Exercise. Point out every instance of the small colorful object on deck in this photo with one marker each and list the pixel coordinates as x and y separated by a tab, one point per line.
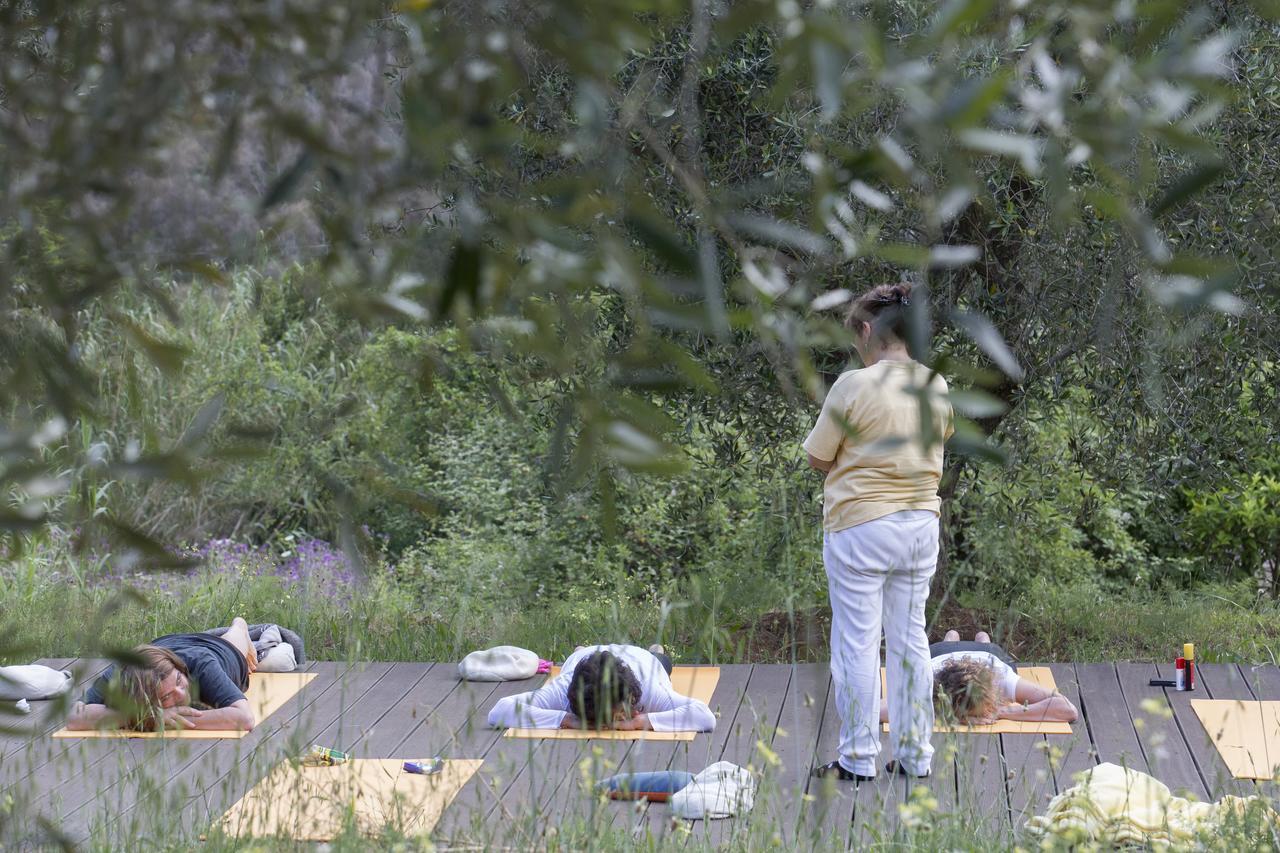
425	766
323	756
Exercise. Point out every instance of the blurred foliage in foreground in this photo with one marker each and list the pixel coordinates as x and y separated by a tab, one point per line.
656	211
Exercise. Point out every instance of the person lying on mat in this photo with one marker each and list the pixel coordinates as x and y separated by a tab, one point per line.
625	688
979	681
179	681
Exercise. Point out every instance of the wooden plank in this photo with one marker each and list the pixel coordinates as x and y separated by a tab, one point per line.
463	822
354	729
1263	681
1029	773
796	749
756	723
521	812
654	823
1167	752
1070	754
17	730
829	815
576	799
25	747
391	734
28	752
982	795
1110	727
876	817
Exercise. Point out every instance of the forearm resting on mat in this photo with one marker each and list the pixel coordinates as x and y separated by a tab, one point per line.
1056	707
234	717
85	717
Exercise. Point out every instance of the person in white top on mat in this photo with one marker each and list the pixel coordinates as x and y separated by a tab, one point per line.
625	688
981	684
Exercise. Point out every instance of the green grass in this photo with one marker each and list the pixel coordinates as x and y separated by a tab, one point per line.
1228	624
385	621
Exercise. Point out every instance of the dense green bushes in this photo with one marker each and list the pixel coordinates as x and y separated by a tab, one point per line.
450	467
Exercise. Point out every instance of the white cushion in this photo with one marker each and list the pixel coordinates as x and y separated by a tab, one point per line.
501	663
722	790
32	682
278	659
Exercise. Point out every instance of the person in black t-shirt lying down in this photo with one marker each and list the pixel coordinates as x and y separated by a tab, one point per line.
179	681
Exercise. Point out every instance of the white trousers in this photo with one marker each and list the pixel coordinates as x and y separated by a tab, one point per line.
878	575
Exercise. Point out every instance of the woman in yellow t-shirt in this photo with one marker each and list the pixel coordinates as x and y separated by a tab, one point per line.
879	441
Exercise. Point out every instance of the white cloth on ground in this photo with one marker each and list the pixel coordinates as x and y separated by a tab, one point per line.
667	710
878	578
500	663
33	681
1005	676
722	790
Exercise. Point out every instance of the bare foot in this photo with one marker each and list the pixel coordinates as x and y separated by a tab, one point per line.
982	637
951	637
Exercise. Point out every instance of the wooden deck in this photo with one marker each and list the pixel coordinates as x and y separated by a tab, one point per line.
778	718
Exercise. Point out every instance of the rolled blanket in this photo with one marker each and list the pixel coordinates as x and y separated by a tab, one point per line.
722	790
32	682
500	663
268	636
656	786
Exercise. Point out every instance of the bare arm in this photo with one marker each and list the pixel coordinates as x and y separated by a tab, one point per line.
85	717
234	717
823	465
1038	704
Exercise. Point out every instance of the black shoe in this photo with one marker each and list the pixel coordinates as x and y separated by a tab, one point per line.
893	768
836	769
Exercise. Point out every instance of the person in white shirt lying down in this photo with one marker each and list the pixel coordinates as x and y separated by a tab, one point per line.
625	688
979	681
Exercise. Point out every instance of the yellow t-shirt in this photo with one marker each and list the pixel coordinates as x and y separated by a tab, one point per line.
884	427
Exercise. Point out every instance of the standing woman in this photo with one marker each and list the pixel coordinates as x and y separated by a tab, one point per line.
879	442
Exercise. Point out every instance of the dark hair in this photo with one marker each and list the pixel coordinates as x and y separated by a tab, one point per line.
885	308
968	686
600	685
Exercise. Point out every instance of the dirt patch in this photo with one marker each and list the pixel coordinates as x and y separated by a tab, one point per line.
969	620
780	636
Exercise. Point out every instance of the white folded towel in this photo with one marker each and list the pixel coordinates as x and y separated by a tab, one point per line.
722	790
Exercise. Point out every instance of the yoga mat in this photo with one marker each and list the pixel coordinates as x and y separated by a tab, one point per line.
314	803
1242	732
696	682
267	692
1042	676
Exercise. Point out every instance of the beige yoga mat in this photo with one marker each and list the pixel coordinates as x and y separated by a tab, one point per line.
1042	676
1245	733
696	682
267	692
315	803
